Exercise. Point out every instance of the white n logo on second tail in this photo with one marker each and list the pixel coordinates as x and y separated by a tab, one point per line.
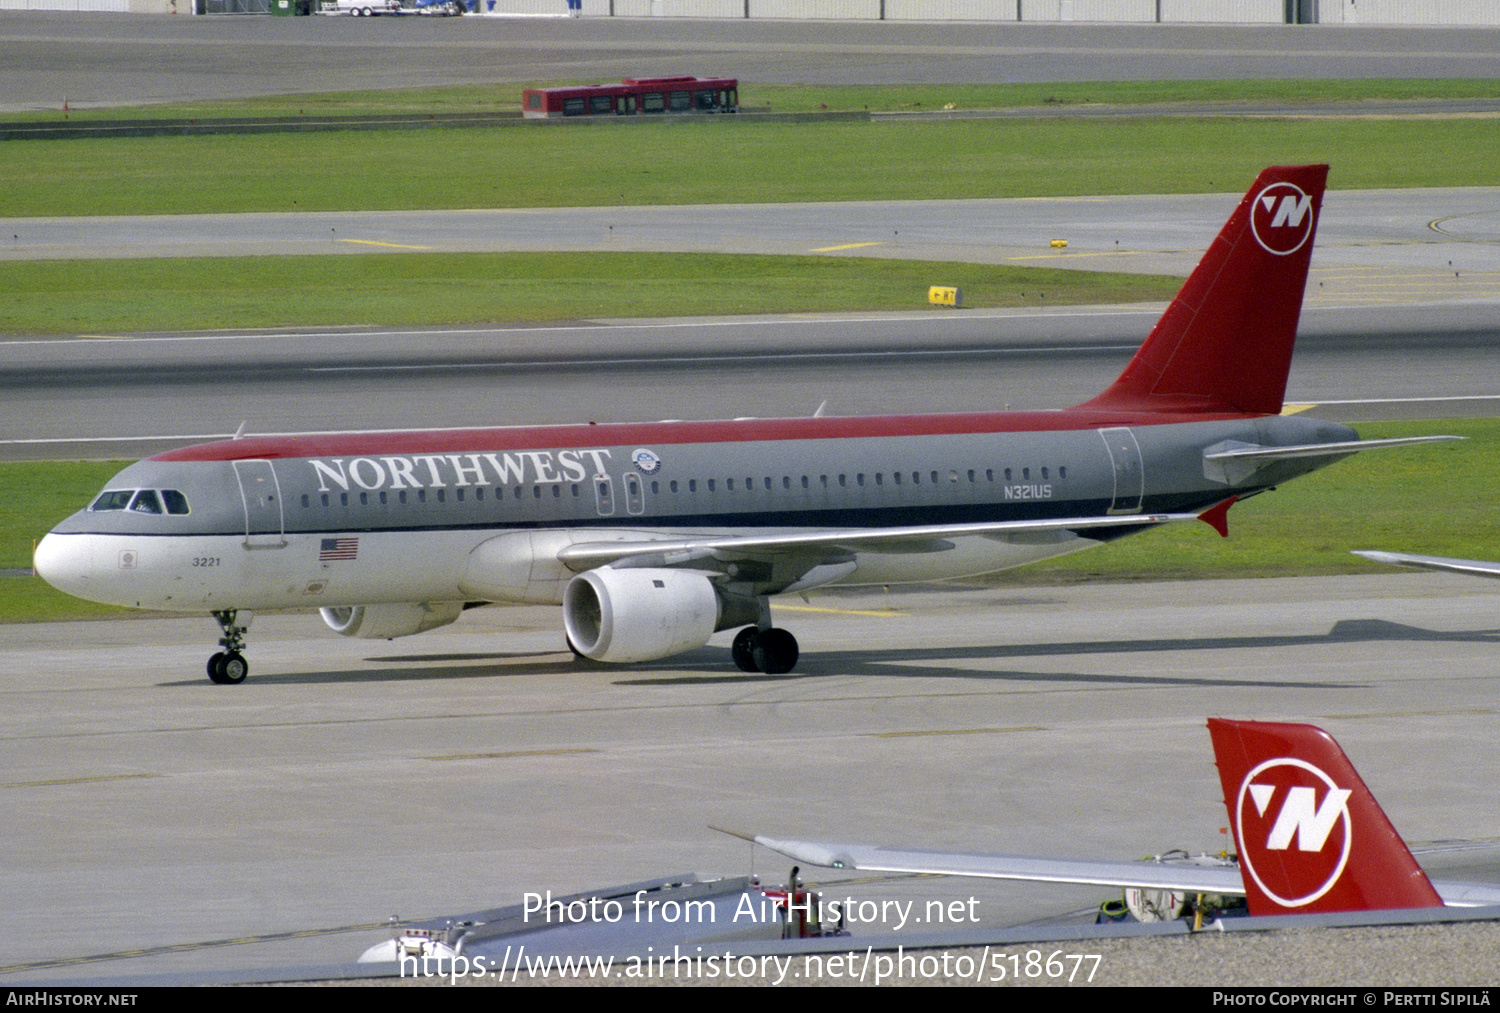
1301	816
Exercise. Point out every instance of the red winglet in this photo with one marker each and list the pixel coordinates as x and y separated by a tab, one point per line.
1217	516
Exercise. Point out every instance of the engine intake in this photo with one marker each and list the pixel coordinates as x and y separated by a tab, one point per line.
387	622
639	614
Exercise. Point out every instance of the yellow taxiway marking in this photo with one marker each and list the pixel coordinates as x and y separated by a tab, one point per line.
394	246
1294	409
846	246
957	731
506	756
886	614
1079	255
76	780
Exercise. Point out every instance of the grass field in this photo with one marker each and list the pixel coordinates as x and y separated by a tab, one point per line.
799	98
724	160
430	289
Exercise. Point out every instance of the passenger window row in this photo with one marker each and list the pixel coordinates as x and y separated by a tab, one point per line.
403	496
674	486
860	479
691	485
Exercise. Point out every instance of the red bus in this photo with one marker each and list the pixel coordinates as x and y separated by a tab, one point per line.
634	95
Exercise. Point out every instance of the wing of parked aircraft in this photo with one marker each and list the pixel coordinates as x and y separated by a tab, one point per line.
1472	567
1310	838
1152	875
654	537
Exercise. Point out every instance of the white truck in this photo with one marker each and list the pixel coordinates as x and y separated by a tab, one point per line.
361	8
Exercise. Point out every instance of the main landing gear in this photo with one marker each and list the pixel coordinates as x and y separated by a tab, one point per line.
771	650
229	667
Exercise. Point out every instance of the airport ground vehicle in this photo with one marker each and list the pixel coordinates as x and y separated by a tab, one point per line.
634	96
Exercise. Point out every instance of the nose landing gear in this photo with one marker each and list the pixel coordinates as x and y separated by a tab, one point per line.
229	667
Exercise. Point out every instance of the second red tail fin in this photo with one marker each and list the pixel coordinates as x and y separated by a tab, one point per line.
1310	835
1225	343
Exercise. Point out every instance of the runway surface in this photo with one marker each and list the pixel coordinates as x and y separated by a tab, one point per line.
347	781
1372	246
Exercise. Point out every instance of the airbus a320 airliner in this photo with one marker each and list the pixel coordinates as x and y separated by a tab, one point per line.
653	537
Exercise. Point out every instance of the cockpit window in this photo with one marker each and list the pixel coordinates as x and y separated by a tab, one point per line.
113	499
142	501
146	502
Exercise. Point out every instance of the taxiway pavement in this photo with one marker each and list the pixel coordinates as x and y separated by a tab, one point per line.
348	781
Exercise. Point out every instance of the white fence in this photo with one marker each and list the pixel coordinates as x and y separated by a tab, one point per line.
108	6
1263	12
1409	12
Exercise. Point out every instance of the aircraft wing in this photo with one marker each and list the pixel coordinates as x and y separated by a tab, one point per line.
1155	875
1456	893
1472	567
1151	875
913	538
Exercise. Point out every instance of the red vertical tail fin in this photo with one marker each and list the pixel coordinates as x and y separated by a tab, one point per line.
1311	837
1225	343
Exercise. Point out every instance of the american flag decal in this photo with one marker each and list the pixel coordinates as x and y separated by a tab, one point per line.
338	548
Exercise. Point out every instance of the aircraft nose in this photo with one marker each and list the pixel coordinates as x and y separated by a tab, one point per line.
64	562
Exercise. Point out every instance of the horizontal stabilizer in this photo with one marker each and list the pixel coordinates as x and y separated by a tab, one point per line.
1235	463
1341	449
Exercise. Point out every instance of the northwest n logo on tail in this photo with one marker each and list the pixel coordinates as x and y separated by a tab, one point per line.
1282	218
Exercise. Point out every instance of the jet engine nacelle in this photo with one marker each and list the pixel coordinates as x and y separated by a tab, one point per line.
387	622
639	614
